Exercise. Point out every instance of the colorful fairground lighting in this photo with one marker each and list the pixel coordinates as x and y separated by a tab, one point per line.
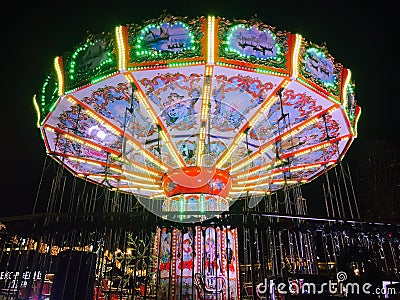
190	115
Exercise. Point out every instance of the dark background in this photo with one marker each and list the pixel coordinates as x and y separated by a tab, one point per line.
362	36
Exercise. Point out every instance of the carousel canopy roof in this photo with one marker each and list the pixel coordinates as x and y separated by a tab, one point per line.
197	106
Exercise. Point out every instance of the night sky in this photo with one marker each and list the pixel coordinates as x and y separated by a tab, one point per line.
360	36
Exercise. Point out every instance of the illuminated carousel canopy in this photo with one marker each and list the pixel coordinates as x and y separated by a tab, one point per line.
191	114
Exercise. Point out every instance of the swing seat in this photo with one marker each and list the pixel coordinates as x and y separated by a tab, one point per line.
205	290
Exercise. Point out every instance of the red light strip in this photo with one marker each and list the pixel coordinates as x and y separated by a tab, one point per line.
229	150
136	143
261	149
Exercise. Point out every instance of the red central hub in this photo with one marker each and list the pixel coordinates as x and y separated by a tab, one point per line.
197	180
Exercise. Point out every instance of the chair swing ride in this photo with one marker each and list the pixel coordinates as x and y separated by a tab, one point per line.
191	115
